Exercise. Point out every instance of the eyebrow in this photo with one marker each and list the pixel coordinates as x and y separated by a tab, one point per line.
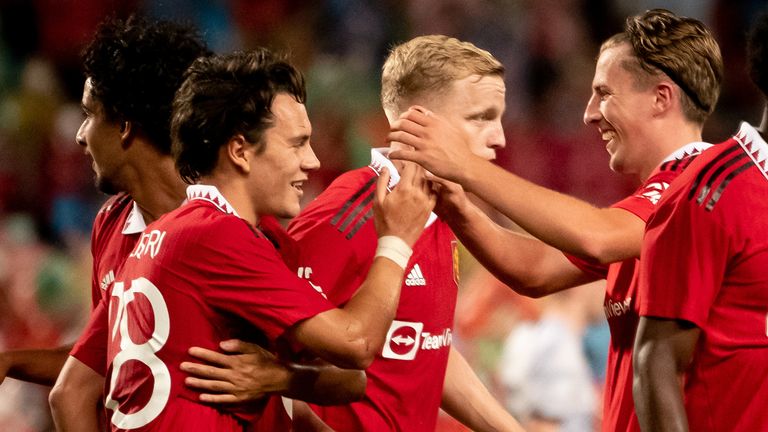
301	138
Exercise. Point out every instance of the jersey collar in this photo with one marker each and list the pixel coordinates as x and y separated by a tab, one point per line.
380	160
754	145
134	223
687	150
212	195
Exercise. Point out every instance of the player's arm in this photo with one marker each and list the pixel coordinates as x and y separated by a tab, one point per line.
467	400
74	400
247	372
352	336
39	366
525	264
566	223
663	350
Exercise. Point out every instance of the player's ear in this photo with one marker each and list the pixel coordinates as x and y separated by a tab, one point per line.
237	152
126	133
665	95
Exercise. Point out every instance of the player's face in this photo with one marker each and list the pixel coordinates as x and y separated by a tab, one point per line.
476	104
620	109
101	140
280	170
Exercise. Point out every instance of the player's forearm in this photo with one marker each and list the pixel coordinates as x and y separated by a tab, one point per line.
564	222
352	336
325	384
467	400
74	400
519	261
374	306
40	366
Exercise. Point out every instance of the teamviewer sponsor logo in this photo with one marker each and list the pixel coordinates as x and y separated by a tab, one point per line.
406	338
415	277
403	340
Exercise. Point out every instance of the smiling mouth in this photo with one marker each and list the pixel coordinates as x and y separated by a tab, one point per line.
298	185
607	135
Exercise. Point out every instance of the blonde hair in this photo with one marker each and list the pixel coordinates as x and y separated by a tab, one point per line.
430	64
680	47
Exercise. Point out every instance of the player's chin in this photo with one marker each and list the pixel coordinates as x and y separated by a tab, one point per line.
289	210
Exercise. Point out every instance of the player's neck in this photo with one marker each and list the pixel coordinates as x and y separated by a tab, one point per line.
667	141
156	187
235	190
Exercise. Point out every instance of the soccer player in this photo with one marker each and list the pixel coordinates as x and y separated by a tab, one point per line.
701	354
127	107
205	271
127	103
125	98
655	84
418	371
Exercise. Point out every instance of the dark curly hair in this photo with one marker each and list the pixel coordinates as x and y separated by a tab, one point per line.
223	96
757	53
135	67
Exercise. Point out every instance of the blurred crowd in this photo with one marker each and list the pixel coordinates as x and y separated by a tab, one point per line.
531	353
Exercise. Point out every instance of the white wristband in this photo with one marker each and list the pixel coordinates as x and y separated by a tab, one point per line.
395	249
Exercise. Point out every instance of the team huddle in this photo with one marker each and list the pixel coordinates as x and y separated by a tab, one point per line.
208	315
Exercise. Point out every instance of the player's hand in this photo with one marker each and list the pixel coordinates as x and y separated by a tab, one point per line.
404	211
451	198
438	146
244	373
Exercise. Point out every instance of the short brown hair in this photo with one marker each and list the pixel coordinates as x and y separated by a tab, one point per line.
680	47
223	96
431	63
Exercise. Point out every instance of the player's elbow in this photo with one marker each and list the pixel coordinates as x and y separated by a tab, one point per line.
58	397
534	284
361	355
606	247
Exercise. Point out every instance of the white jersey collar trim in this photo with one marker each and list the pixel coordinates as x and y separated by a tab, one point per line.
689	149
754	145
212	195
380	160
134	223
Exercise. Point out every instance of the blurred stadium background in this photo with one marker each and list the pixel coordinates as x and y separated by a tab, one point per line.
47	199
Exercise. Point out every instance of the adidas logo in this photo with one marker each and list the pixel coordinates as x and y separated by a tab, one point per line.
108	279
415	277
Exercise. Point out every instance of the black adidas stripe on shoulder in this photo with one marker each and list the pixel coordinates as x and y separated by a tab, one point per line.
713	176
345	217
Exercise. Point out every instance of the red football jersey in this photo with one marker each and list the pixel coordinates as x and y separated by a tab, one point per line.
197	276
704	261
337	242
117	227
620	305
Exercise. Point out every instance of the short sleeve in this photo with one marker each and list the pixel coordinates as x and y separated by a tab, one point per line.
249	279
682	265
91	347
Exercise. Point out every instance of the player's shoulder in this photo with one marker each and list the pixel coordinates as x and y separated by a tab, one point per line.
351	193
705	182
114	205
113	213
351	184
